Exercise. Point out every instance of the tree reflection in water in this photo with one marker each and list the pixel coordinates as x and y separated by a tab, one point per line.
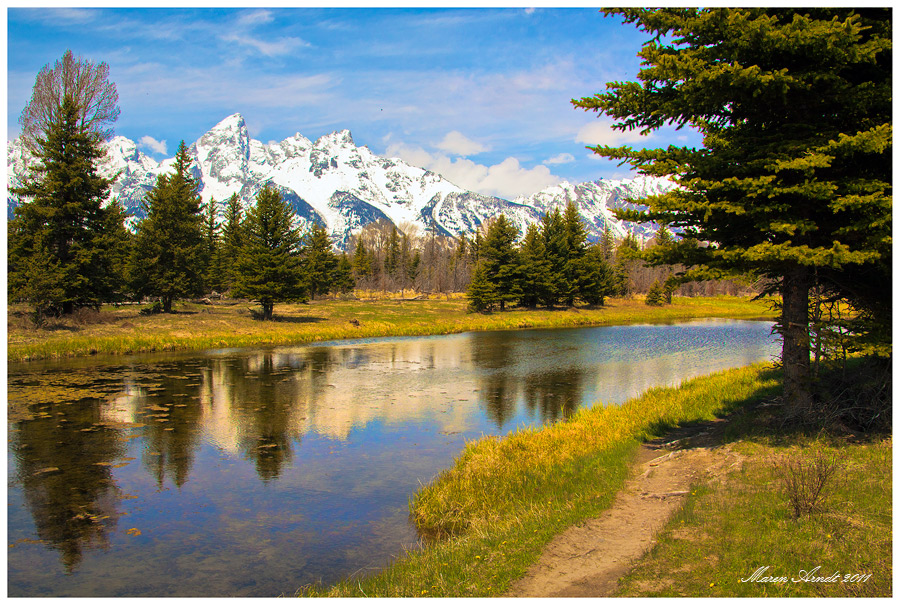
69	490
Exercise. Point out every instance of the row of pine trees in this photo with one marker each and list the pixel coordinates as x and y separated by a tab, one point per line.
553	265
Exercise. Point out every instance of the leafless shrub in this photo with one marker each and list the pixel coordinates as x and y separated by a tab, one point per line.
804	480
85	316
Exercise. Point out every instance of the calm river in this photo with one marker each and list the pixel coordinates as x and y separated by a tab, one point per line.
254	472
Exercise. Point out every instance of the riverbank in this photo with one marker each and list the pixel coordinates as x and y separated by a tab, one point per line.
227	324
505	499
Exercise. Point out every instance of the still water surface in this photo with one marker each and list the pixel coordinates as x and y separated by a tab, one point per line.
254	472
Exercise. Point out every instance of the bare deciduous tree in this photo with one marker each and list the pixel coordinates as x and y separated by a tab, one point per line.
88	85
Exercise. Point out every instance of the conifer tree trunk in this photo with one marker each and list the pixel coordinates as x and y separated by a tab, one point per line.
795	348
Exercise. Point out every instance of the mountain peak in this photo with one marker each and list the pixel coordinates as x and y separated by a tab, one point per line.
341	137
234	121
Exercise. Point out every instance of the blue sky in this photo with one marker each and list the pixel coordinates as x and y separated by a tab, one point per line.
481	96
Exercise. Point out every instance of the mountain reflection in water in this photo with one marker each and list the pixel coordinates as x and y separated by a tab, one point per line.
139	472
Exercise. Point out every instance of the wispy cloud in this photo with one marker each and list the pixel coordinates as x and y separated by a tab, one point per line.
562	158
281	46
151	144
242	34
60	16
253	18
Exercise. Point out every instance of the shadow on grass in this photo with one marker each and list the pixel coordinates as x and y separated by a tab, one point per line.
59	327
293	320
763	416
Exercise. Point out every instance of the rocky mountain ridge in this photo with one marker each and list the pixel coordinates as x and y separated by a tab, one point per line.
336	183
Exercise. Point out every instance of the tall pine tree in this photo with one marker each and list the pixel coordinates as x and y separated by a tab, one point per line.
269	268
63	248
212	247
575	239
536	280
232	240
793	179
168	259
319	261
500	260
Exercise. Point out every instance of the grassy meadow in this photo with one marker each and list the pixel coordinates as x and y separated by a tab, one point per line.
123	330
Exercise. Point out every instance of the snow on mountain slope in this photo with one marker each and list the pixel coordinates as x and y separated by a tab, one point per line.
333	182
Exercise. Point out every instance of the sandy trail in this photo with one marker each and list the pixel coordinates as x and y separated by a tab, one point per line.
588	560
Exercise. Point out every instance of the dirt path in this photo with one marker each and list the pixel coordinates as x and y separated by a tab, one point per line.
588	560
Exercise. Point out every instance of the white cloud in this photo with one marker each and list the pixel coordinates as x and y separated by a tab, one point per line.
271	48
457	143
148	142
281	46
602	133
507	179
252	18
563	158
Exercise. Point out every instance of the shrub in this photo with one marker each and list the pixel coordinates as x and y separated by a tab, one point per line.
804	480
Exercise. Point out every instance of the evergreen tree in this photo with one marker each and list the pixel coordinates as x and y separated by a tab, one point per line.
168	259
232	240
553	231
500	260
319	261
575	239
65	223
535	268
362	261
793	180
482	292
597	279
608	244
655	296
212	248
342	280
414	266
477	243
269	268
626	261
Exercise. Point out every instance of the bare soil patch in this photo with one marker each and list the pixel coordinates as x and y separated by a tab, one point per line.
587	560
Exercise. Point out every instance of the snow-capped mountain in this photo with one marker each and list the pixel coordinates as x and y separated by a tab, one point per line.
345	187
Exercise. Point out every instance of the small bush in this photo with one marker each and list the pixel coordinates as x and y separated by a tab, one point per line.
655	295
804	481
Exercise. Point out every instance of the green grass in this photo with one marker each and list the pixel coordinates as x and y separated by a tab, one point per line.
197	327
722	535
504	499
